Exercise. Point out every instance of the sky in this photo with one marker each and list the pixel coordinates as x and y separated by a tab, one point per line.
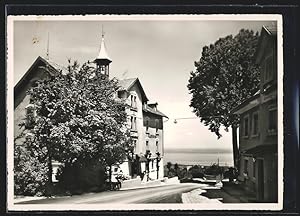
160	53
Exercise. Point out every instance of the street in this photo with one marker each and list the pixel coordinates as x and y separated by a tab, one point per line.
160	194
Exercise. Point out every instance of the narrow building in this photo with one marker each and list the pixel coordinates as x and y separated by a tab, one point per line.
258	169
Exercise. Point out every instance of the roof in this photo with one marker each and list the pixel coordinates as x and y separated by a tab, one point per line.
127	84
271	30
39	62
103	53
153	111
266	32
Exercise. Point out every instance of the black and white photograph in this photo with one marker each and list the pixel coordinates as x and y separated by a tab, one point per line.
145	112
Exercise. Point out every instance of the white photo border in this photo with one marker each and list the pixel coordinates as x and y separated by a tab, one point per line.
177	17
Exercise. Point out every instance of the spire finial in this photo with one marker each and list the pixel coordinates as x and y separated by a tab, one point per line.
47	52
102	31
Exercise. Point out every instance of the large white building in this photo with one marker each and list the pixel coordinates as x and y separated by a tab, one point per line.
146	125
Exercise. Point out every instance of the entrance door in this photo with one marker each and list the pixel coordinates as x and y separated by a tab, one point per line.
260	179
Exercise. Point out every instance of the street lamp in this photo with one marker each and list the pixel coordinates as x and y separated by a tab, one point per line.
176	119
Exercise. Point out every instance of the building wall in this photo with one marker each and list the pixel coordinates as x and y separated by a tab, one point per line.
19	117
154	136
21	100
138	114
249	173
140	135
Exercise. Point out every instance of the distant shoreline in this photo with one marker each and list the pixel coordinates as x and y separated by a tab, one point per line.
201	157
196	164
196	150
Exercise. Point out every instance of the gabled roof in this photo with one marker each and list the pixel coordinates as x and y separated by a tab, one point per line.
271	30
127	84
39	62
153	111
267	33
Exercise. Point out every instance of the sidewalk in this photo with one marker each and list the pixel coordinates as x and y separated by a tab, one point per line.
196	197
231	193
239	192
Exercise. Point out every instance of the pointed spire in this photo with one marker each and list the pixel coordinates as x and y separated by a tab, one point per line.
103	59
103	53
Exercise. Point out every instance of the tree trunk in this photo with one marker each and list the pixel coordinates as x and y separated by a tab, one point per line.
235	146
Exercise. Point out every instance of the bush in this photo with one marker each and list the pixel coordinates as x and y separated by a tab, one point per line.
196	172
231	173
30	174
76	178
214	170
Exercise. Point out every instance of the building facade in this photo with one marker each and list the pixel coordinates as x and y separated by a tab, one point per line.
258	127
146	126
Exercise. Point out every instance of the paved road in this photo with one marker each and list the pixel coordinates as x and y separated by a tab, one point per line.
166	193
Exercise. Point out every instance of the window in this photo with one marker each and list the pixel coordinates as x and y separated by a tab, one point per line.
156	145
133	101
147	145
246	126
246	166
134	145
133	123
272	123
255	124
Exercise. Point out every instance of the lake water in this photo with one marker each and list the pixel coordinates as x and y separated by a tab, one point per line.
198	158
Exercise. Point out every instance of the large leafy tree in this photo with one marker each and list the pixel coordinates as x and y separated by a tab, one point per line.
225	75
79	119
